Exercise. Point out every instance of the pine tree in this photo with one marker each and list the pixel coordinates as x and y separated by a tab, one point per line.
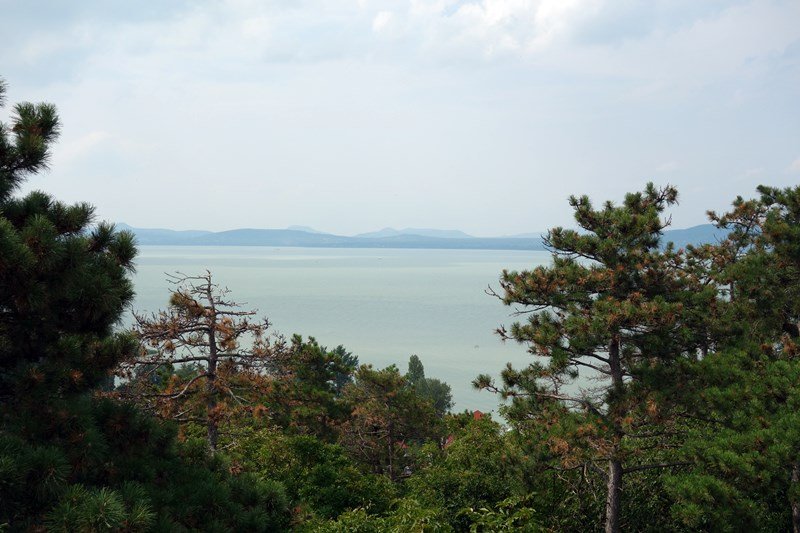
616	308
744	441
63	283
387	418
307	386
202	328
70	460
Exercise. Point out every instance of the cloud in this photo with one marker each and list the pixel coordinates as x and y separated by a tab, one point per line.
755	172
491	28
381	20
76	148
794	168
667	167
668	42
305	102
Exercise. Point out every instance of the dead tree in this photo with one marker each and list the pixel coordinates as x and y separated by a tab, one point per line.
201	359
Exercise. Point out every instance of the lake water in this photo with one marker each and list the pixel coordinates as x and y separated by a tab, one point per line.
381	304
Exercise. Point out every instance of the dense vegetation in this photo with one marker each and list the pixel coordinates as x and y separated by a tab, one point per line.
201	418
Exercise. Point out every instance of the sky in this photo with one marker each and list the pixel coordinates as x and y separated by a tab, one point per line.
354	115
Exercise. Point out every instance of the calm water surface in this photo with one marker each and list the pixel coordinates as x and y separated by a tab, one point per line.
382	305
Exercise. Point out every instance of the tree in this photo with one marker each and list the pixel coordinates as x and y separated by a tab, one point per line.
407	515
744	441
615	306
306	388
69	459
63	286
63	283
764	274
478	467
349	363
201	327
25	143
387	418
320	478
780	235
416	372
438	392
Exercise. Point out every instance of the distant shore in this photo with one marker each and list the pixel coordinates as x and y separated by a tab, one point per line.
297	238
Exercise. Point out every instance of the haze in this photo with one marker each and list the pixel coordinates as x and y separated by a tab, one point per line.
350	116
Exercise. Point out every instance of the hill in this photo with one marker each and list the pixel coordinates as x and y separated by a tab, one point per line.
418	232
387	238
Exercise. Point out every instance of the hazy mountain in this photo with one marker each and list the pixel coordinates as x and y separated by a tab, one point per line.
471	243
534	235
387	238
307	229
702	234
269	237
289	238
421	232
162	236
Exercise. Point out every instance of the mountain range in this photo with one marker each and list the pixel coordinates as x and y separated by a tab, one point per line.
418	232
303	236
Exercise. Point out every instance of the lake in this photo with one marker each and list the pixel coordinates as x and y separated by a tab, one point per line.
381	304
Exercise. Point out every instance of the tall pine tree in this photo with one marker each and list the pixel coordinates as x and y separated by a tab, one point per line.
744	442
615	310
63	282
68	459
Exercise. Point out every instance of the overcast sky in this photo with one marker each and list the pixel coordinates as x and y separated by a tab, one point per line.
353	115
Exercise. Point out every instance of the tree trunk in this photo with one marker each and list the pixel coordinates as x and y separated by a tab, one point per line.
614	487
212	422
795	503
211	406
212	425
615	364
212	428
391	450
613	496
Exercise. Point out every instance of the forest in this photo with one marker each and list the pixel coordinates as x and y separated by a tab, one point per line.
661	393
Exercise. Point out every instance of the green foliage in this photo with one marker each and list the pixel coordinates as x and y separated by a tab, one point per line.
406	516
320	479
743	444
512	514
388	418
615	307
349	364
416	372
478	467
63	282
432	389
25	143
98	510
306	392
132	457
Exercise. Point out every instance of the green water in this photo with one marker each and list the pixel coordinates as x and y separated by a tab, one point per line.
382	305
